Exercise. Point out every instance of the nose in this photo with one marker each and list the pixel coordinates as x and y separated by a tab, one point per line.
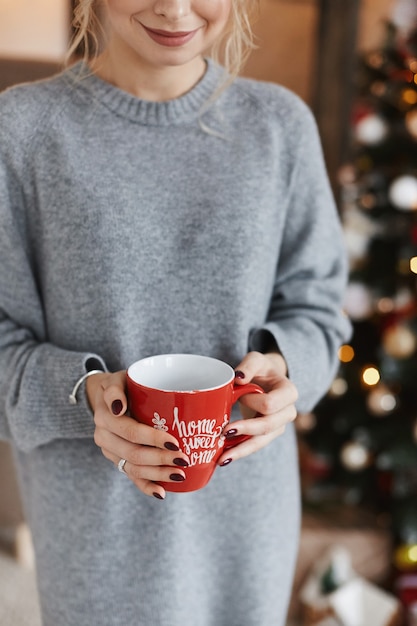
172	9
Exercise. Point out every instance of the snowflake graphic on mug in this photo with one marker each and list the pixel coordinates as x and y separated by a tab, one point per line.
159	422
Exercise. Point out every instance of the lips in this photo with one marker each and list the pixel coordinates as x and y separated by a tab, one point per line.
170	38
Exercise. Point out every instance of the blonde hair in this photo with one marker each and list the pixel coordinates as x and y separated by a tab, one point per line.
236	43
231	50
88	31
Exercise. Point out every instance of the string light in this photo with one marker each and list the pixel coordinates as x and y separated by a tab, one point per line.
368	201
346	353
378	88
375	60
409	96
339	387
371	376
399	341
306	422
411	122
413	264
385	305
412	64
381	401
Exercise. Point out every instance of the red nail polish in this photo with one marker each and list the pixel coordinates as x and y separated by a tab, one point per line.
157	495
239	374
231	433
180	462
171	446
226	462
177	477
117	407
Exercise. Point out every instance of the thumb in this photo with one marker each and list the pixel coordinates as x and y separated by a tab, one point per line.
114	393
250	366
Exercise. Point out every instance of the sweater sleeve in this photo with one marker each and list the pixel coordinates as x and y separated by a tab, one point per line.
305	320
36	377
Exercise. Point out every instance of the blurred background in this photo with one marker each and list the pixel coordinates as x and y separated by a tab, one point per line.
355	63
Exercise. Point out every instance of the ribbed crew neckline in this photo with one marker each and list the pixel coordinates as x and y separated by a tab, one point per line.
180	110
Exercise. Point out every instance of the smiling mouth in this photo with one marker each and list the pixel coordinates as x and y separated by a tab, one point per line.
170	38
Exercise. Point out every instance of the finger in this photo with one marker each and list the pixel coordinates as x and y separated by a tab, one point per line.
261	368
135	432
138	454
262	425
129	429
249	446
249	367
283	394
114	394
151	473
148	487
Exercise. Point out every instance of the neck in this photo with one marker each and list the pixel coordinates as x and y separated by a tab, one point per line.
153	83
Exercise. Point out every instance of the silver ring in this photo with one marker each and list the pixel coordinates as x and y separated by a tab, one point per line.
121	466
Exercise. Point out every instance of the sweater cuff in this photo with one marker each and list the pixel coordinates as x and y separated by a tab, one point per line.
39	410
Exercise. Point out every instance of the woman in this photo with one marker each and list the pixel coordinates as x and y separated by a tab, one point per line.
152	203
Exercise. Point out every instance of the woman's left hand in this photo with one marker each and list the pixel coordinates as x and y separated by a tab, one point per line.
274	409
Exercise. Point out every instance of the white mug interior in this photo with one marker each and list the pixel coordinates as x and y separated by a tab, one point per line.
181	372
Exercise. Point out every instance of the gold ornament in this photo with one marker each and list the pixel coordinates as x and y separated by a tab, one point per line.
405	556
408	98
346	353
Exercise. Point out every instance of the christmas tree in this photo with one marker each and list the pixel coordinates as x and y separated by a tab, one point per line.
359	447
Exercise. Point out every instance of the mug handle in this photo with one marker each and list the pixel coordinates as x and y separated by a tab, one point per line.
238	392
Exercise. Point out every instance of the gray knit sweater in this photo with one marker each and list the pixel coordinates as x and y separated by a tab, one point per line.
128	229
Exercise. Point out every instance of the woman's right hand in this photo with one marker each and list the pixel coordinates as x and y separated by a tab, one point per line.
151	455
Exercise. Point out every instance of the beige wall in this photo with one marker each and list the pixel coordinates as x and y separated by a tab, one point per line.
34	28
286	32
371	28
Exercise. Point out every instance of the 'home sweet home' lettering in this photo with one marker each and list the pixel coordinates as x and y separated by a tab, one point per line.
200	438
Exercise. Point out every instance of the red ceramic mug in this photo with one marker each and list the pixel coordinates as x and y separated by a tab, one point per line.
191	397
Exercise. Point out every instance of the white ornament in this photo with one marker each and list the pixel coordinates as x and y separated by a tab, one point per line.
404	15
399	341
358	231
358	301
371	130
381	401
403	193
355	456
403	299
